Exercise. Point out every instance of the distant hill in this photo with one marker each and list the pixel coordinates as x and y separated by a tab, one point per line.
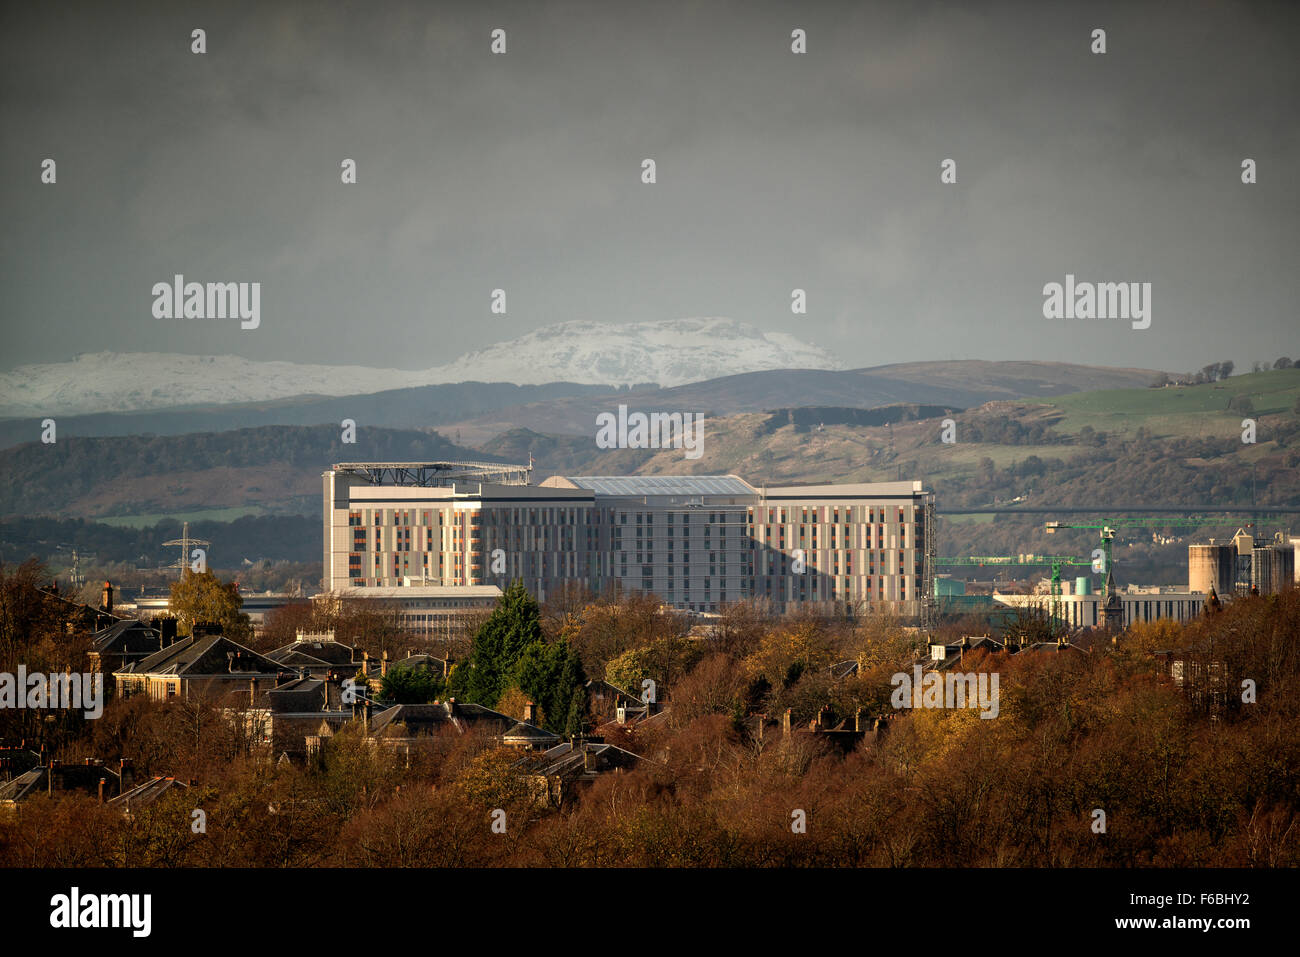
482	410
267	469
1011	379
1156	447
276	469
955	384
671	352
413	408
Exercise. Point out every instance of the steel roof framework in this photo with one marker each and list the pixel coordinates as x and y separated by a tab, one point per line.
437	474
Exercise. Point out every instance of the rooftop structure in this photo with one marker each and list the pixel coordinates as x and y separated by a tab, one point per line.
436	474
671	486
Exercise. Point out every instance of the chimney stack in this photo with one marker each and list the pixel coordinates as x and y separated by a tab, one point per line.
126	774
383	664
530	713
107	603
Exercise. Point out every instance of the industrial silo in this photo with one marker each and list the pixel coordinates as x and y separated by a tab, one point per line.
1273	568
1211	567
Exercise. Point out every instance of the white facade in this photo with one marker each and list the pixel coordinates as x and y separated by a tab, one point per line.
1084	611
696	541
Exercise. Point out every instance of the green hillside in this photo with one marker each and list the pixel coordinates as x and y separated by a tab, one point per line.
1180	410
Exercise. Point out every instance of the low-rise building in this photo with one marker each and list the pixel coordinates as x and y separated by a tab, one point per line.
92	777
556	774
142	795
210	666
1086	610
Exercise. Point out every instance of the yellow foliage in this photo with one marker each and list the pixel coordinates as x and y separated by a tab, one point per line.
802	644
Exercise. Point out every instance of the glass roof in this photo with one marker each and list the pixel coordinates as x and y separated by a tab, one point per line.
639	485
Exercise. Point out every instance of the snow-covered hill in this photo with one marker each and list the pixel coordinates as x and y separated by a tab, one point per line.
672	352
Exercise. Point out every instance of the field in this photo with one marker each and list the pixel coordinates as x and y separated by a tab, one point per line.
198	515
1179	410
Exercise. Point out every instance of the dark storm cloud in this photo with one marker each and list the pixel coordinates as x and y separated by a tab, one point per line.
521	171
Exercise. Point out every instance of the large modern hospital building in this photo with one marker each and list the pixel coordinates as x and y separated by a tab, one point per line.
696	541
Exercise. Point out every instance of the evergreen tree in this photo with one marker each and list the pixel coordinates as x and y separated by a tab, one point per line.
410	686
552	675
514	625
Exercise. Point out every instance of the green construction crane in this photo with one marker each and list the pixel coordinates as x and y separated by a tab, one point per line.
1110	605
1107	529
1056	562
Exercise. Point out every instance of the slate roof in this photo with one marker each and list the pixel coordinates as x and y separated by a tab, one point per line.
427	718
955	651
420	662
1053	646
24	786
313	653
599	688
531	734
146	793
567	762
293	658
417	718
843	669
129	635
203	656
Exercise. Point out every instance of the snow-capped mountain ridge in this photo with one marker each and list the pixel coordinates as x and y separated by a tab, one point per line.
670	353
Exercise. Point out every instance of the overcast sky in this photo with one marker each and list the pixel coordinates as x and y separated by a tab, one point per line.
775	171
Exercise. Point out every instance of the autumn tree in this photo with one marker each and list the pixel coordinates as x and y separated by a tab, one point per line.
663	661
201	596
282	625
602	630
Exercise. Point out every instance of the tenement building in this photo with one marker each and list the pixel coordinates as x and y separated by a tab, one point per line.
695	541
